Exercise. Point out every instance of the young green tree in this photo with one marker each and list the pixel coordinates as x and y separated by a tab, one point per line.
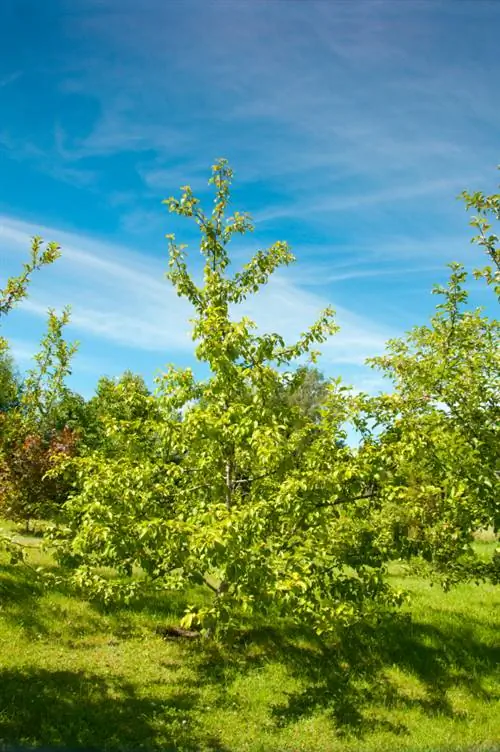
14	291
120	398
45	385
436	456
252	496
32	434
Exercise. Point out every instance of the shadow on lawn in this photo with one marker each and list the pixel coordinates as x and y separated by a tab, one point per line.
77	710
19	594
21	591
350	679
22	587
68	710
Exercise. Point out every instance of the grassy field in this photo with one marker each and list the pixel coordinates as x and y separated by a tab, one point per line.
74	676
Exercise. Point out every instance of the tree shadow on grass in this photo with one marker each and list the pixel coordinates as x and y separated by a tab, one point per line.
352	679
21	592
22	589
70	710
158	605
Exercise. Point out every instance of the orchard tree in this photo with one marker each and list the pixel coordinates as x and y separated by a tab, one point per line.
15	290
31	438
113	399
433	445
308	389
72	411
45	385
436	452
120	417
111	395
10	382
251	496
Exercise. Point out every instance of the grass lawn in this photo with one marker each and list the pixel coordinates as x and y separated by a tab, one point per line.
74	676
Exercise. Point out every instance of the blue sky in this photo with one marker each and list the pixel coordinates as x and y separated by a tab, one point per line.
351	127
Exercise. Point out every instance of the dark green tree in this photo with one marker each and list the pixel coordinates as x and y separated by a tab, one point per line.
10	382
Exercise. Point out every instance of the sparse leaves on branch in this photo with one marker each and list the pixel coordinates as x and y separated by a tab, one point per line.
488	212
45	384
17	287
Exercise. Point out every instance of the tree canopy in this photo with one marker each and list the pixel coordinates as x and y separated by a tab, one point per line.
243	483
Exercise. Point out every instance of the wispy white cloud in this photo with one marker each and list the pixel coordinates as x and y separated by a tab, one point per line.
9	78
22	351
47	161
115	293
118	295
321	274
286	307
320	94
148	329
117	132
388	195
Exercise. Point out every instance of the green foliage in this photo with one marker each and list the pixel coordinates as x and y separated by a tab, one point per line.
243	484
436	455
10	383
16	287
14	291
45	385
125	399
35	433
71	410
252	495
307	389
488	211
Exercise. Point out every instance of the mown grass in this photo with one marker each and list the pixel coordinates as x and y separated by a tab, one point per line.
75	676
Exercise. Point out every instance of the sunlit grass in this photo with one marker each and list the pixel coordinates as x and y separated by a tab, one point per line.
73	675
